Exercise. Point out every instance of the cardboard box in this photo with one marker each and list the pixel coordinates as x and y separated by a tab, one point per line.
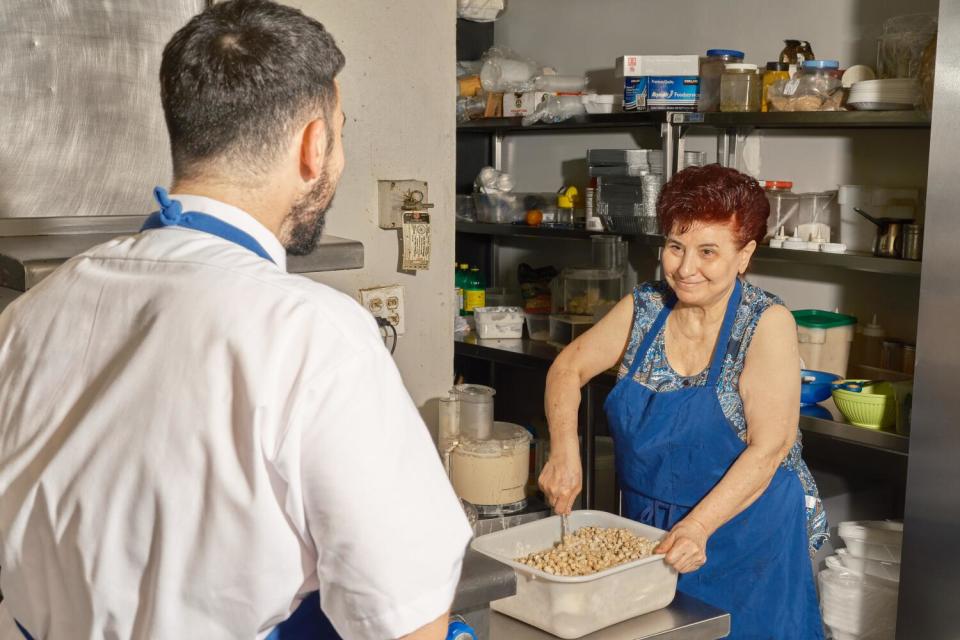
636	66
659	83
522	104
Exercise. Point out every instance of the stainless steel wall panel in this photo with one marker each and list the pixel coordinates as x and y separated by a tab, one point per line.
81	128
930	575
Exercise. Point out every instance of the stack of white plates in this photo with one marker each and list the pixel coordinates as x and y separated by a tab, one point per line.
897	94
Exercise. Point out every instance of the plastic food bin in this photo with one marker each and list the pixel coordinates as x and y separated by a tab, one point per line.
499	322
825	339
873	539
575	606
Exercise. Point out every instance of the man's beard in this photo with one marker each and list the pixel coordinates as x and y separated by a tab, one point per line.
303	225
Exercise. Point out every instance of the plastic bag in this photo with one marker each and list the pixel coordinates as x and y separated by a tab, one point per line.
504	71
535	287
480	10
904	39
555	109
806	92
470	108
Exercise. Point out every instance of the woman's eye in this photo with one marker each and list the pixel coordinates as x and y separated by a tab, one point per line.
709	253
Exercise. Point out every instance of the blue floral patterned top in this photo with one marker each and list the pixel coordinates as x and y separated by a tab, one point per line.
656	373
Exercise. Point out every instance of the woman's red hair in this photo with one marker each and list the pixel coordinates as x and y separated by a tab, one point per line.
714	195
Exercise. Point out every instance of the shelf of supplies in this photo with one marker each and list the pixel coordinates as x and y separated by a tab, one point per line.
808	120
850	261
546	231
826	420
785	120
624	120
823	420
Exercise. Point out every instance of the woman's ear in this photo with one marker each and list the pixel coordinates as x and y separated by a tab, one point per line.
745	254
313	149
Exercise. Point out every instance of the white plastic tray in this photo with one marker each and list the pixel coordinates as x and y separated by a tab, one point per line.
573	607
877	568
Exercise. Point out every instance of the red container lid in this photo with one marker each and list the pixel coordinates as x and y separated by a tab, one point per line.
778	184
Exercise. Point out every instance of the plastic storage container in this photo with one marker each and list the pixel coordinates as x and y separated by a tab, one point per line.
499	322
866	566
500	208
711	70
575	606
818	219
741	87
873	539
581	291
565	328
538	326
825	339
784	205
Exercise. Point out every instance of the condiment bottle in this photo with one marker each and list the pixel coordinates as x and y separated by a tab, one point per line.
474	292
872	343
775	72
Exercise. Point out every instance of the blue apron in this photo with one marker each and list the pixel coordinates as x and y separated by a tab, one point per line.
672	448
308	621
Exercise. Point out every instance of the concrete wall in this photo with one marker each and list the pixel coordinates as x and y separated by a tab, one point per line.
586	37
398	91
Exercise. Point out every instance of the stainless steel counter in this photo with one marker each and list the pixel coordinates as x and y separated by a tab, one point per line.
685	619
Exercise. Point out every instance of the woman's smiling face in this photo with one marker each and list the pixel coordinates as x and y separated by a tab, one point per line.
701	263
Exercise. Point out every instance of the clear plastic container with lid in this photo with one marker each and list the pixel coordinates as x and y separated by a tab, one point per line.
740	88
817	86
784	205
711	70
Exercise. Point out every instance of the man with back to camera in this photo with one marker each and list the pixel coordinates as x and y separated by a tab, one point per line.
192	440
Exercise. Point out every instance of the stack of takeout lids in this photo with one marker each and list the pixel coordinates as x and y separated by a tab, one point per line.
884	95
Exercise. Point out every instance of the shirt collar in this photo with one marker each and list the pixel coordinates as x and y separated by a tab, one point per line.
239	219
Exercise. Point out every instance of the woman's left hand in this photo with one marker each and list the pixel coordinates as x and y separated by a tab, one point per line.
685	546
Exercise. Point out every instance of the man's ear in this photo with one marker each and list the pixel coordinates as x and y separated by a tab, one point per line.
313	149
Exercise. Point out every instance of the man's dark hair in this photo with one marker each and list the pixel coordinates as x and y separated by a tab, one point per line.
238	79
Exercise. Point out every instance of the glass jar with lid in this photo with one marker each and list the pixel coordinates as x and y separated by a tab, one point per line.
740	88
775	72
711	69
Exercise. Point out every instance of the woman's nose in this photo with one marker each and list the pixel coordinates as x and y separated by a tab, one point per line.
688	265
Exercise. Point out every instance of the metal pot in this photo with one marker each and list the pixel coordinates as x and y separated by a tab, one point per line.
889	240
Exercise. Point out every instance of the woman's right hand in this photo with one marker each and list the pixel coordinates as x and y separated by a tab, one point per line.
561	477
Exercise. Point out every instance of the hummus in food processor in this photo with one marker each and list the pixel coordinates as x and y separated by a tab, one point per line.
492	472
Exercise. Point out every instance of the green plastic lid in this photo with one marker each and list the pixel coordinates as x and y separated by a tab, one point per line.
816	319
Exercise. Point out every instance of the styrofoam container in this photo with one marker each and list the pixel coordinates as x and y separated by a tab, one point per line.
865	566
599	103
873	539
859	605
499	322
573	607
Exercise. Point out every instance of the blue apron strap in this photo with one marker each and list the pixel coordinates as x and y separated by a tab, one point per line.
26	634
651	334
720	350
171	214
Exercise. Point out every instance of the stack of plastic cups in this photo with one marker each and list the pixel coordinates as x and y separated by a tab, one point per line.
859	588
652	183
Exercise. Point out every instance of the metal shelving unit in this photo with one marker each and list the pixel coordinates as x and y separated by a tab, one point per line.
850	261
538	355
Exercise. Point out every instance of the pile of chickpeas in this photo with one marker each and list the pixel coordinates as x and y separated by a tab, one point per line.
589	550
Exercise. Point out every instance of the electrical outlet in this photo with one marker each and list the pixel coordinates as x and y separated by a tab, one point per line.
385	302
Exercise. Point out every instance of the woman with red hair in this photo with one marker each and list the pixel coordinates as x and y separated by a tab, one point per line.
705	414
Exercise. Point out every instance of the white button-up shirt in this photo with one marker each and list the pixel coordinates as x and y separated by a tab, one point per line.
191	439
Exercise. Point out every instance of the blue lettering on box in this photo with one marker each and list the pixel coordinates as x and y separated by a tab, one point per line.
673	93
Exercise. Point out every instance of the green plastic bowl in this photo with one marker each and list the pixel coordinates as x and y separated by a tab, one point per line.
873	408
